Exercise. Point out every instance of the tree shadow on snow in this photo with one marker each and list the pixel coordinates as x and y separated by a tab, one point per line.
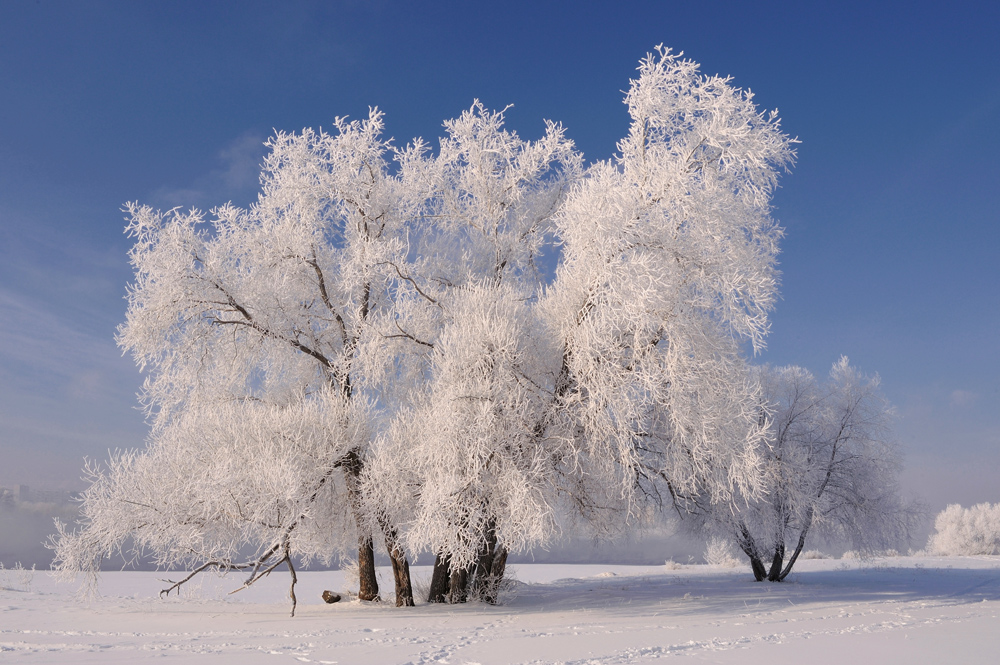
693	593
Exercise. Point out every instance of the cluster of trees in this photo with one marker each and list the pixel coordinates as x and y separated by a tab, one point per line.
373	353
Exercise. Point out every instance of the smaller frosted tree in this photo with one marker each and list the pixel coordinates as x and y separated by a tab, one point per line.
962	531
830	466
481	471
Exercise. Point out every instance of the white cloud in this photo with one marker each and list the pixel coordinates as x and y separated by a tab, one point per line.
236	179
962	398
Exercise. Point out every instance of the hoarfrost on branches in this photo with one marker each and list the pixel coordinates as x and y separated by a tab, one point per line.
271	472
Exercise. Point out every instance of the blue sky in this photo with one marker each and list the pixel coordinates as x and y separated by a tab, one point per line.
891	212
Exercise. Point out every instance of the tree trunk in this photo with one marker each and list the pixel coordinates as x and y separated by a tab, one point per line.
367	582
401	575
458	591
400	566
492	593
483	568
489	568
757	566
440	580
774	575
749	547
799	545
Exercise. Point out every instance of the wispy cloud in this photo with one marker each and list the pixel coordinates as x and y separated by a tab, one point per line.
235	179
65	390
960	399
49	363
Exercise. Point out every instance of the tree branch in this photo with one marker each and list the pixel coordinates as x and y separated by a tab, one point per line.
407	335
411	281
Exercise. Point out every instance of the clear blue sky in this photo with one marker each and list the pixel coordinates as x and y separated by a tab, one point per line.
891	212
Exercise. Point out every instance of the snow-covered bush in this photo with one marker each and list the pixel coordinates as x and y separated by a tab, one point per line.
962	531
719	552
17	578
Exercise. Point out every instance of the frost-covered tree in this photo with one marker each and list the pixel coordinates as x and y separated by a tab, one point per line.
277	303
830	464
468	443
668	268
481	474
962	531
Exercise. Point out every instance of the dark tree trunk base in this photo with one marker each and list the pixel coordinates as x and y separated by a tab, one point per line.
491	591
368	582
774	575
481	581
440	580
401	575
458	589
400	566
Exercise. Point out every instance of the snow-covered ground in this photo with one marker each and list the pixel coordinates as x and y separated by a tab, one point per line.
905	610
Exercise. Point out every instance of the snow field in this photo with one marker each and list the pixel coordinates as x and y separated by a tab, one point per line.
907	609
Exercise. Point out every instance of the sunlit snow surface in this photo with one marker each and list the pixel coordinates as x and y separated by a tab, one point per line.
906	610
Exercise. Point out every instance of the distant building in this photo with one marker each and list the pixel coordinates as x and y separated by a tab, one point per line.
10	497
7	501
